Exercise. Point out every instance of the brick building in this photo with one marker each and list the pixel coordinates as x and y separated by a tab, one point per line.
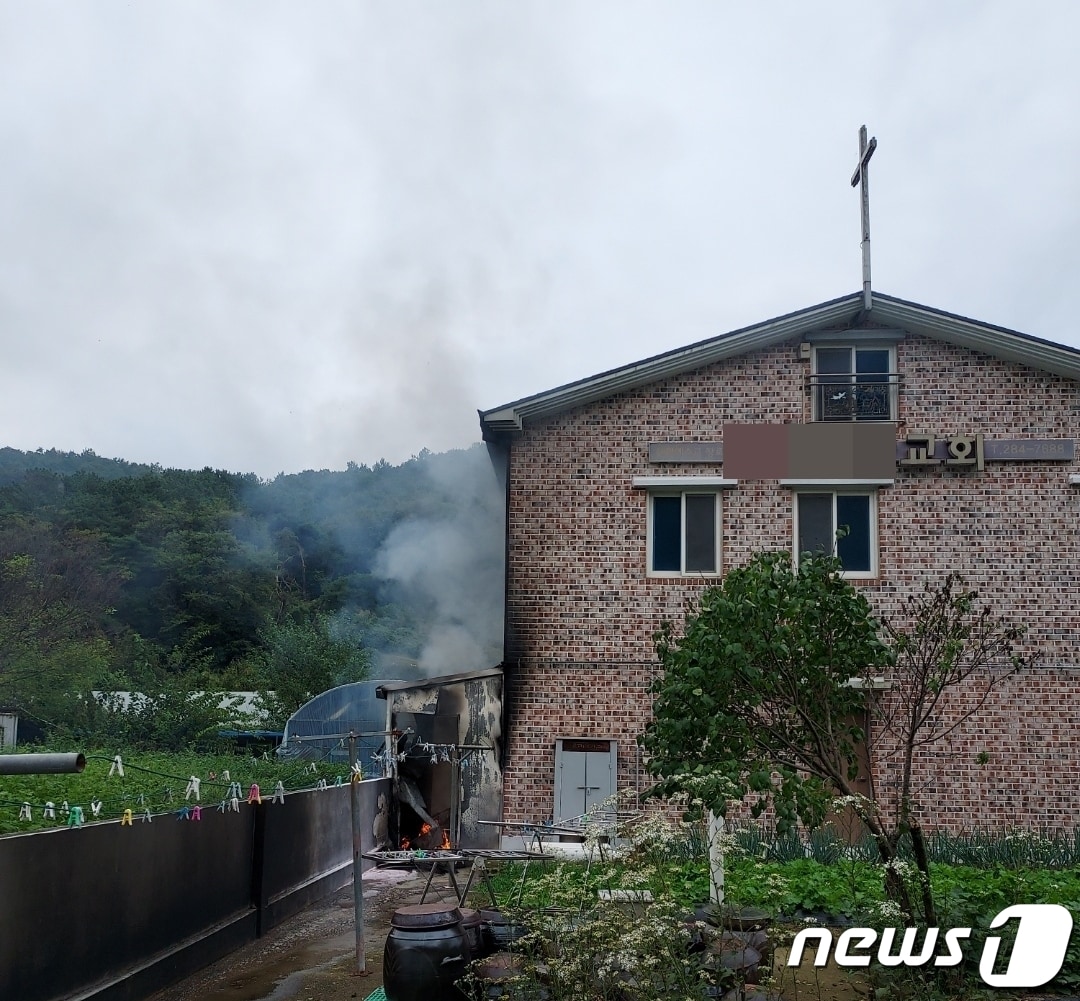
940	442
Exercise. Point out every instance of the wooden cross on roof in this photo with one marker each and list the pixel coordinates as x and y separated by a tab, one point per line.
862	177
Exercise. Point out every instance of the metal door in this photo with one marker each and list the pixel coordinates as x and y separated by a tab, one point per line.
584	775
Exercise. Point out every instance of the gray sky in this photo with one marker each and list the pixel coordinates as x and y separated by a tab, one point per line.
270	237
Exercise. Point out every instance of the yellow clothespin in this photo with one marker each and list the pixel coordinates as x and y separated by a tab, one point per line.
126	819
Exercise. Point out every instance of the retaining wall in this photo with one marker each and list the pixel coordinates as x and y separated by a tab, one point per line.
113	913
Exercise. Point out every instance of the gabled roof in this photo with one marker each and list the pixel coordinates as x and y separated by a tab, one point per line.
889	315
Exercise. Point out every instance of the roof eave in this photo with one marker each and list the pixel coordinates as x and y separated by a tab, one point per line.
1000	342
512	416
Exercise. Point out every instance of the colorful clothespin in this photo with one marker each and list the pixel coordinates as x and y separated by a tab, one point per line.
126	819
50	811
279	793
357	773
254	796
183	813
117	767
24	812
234	791
95	808
337	781
196	812
212	777
194	788
75	817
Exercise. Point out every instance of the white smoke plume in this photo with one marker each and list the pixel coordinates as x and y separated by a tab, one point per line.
455	563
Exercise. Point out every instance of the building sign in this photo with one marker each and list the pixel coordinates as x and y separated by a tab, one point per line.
588	746
973	451
778	451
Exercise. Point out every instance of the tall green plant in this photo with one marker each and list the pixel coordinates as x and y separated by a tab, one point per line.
755	696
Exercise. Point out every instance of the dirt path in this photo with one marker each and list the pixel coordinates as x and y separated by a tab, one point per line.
312	955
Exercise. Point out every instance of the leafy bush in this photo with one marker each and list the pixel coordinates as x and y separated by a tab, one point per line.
829	882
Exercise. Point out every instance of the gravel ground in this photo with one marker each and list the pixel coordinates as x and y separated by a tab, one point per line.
311	957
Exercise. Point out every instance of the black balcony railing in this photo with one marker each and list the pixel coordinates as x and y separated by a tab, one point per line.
854	397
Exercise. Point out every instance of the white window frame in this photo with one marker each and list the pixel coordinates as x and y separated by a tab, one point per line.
682	492
872	493
893	377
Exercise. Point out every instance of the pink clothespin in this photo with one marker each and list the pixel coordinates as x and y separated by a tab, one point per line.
254	796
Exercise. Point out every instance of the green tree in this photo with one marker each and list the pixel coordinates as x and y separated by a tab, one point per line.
55	595
304	659
943	640
765	694
755	698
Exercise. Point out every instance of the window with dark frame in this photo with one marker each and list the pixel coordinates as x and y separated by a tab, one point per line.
854	384
684	533
820	516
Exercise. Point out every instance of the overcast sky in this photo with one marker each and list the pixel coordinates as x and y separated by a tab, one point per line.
270	237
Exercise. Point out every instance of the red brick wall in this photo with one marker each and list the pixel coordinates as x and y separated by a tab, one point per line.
582	612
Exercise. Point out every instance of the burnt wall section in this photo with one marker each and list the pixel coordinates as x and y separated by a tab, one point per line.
114	913
467	711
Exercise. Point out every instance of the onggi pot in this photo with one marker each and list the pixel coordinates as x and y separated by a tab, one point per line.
425	953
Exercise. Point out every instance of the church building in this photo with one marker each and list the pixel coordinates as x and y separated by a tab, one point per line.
939	442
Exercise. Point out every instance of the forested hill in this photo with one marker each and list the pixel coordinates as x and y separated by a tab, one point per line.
116	575
14	465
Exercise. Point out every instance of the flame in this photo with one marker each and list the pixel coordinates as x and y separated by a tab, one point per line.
406	844
445	840
425	830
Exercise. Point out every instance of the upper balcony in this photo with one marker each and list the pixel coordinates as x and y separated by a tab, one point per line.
855	396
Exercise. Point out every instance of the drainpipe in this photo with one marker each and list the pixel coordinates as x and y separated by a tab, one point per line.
41	764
